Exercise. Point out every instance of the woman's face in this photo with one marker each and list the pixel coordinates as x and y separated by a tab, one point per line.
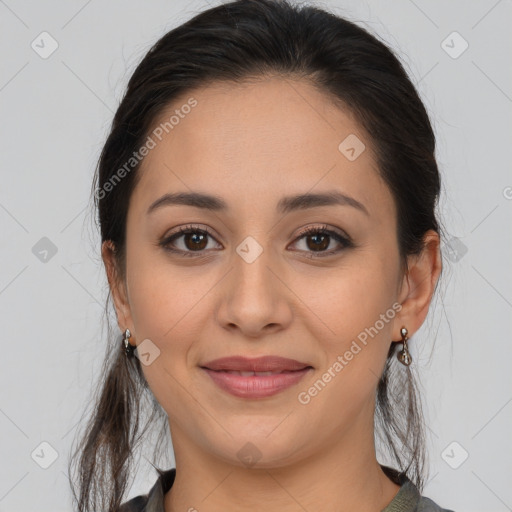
256	285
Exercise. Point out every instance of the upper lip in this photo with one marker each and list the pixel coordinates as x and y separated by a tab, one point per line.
258	364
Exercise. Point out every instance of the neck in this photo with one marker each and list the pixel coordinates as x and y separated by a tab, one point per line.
343	476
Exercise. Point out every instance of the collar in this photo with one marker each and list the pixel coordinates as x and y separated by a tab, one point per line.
155	501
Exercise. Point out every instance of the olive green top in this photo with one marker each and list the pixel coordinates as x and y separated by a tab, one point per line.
407	499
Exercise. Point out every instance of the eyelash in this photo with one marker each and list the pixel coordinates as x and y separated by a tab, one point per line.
314	230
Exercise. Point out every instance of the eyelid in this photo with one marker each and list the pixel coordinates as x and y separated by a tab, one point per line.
326	228
190	227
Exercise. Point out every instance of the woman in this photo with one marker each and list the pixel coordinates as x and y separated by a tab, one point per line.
267	202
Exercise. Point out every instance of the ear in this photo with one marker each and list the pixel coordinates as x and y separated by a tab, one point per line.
117	287
418	285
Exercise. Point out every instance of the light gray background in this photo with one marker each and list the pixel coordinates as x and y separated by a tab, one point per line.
55	113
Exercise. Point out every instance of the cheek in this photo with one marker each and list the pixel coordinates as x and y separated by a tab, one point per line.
353	320
169	306
354	329
163	297
167	309
352	297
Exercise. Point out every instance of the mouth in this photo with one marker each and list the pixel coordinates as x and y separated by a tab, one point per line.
255	378
257	374
263	364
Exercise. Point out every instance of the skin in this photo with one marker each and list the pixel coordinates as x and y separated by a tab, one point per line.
252	144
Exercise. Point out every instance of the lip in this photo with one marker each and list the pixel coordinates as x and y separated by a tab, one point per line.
285	373
257	364
256	386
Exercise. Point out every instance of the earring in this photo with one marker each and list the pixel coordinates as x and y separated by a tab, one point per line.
128	348
404	356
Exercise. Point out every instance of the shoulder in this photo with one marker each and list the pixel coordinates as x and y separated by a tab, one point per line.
427	505
408	498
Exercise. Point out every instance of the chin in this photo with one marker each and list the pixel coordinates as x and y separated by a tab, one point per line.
257	450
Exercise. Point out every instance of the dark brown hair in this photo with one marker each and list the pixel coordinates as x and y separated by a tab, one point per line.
232	42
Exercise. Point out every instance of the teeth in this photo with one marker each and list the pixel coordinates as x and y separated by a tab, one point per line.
249	374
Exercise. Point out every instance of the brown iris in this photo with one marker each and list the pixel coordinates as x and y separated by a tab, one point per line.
322	245
199	240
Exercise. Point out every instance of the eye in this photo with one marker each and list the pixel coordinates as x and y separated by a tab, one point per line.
320	239
195	240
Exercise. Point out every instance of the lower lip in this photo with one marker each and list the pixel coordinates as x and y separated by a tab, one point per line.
255	386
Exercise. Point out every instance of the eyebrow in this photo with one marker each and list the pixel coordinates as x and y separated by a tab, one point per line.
285	205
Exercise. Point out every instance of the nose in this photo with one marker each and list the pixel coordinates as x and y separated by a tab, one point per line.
254	298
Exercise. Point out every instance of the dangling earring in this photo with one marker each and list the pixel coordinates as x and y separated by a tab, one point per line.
128	348
404	356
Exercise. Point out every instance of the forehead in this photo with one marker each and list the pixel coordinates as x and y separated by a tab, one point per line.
259	140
